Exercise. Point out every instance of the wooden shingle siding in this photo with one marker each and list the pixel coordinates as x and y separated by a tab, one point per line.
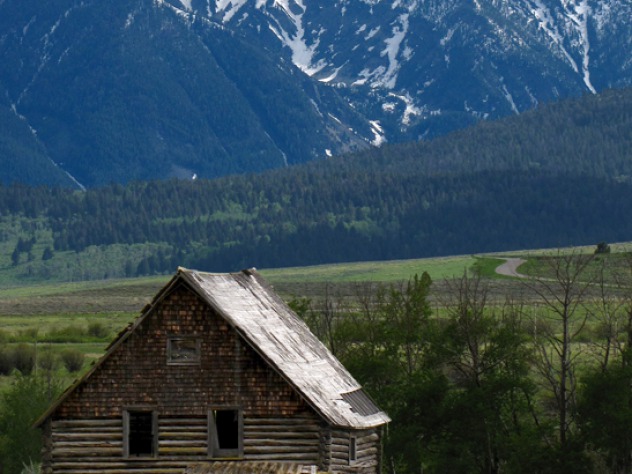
248	467
230	372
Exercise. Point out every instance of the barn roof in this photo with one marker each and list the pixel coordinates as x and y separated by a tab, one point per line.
272	329
250	305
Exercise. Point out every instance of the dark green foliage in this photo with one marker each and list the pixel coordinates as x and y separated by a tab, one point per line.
24	358
457	389
47	360
48	254
20	406
7	363
98	330
72	359
605	413
602	247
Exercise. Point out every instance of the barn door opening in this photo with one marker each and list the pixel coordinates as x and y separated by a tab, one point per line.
225	433
140	433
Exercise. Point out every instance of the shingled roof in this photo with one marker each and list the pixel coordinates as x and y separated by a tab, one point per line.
280	337
272	329
257	467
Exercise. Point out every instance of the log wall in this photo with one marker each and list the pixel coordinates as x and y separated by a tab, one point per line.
335	451
90	446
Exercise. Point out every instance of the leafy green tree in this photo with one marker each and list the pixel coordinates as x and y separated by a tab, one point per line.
47	254
20	406
605	413
486	411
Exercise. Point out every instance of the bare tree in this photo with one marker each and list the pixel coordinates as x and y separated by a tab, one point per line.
563	295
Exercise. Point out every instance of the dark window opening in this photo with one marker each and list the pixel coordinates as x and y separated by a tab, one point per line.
140	433
225	430
227	423
352	449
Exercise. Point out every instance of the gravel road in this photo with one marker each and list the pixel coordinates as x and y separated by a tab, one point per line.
510	268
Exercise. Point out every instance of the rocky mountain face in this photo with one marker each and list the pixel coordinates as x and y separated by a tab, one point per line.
145	89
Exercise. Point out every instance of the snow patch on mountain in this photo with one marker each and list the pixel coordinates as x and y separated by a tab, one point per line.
379	138
578	13
186	4
229	8
393	44
302	53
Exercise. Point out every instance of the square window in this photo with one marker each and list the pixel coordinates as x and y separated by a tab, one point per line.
225	433
183	350
140	438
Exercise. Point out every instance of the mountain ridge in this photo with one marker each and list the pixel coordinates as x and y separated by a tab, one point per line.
555	176
151	89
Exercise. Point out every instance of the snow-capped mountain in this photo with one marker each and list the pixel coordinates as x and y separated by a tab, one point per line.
140	89
417	67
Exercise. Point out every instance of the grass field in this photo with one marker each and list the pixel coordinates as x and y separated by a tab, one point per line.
61	313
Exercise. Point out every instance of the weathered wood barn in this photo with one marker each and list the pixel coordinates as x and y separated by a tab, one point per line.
217	374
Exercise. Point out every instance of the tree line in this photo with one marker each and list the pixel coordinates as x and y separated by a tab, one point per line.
477	380
558	175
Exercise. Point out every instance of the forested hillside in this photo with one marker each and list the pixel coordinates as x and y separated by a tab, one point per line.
559	175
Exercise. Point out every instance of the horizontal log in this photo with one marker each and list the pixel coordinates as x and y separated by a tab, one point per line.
279	449
89	444
184	443
307	457
280	435
89	429
296	420
366	452
285	442
101	422
273	428
183	435
82	452
182	421
200	450
92	435
372	438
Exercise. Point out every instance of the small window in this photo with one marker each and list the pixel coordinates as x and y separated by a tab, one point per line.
183	351
352	449
140	433
225	433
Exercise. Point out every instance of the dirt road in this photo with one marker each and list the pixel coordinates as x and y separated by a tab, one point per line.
510	268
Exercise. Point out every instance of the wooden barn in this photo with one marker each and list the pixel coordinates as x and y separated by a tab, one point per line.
216	375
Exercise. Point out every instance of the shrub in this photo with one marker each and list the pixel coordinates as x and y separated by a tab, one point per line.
98	329
7	364
24	358
66	334
47	360
72	359
27	335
